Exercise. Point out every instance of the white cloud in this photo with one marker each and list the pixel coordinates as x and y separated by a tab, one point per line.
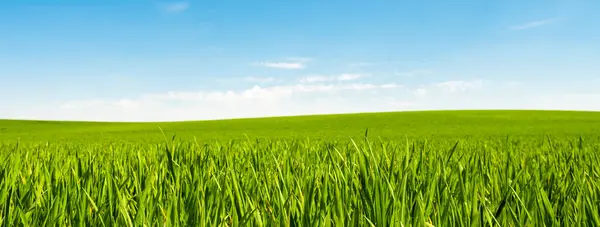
84	103
289	63
420	91
283	65
252	102
342	77
458	85
317	98
448	87
257	92
532	24
176	7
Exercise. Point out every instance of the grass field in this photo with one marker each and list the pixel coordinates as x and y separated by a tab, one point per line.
389	126
436	168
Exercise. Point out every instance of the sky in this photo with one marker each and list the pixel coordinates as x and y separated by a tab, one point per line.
154	60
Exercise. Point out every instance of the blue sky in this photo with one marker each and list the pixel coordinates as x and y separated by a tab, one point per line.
182	60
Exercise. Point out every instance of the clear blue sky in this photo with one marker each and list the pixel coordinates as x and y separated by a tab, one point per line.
180	60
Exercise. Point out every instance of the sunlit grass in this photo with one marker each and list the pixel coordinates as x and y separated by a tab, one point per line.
501	182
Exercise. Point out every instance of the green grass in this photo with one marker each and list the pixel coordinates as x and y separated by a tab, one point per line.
389	126
440	168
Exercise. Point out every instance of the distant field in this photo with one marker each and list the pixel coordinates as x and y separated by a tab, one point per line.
437	168
395	125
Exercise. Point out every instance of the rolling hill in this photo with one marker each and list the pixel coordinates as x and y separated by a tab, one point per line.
389	125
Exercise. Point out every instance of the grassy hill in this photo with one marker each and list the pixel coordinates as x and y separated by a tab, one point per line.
391	125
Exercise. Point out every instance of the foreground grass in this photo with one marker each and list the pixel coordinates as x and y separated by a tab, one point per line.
501	182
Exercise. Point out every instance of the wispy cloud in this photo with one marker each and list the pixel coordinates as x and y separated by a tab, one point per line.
533	24
289	63
283	65
176	7
343	77
270	92
458	85
321	98
349	76
448	87
256	101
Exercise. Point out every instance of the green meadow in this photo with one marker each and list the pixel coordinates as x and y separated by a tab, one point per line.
435	125
429	168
